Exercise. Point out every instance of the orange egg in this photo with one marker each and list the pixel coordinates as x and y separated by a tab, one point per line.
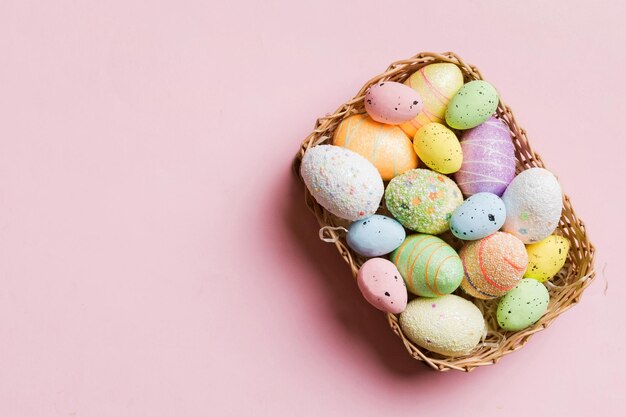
385	146
493	265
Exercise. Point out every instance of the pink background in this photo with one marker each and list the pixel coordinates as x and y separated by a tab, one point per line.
156	258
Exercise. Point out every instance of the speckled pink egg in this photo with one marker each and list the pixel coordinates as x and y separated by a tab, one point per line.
488	159
392	103
382	285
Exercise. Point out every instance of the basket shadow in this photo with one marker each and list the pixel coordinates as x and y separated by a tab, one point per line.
353	313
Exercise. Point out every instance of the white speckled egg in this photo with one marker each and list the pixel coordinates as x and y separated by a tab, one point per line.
449	325
392	103
343	182
479	216
533	201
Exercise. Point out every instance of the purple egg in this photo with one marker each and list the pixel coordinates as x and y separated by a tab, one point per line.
488	159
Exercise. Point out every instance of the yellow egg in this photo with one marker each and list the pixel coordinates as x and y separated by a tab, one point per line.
546	257
438	147
436	84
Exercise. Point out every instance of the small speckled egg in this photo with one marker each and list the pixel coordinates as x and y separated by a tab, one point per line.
474	103
488	159
392	103
382	286
438	147
436	84
429	266
375	236
546	257
523	305
533	201
448	325
493	265
342	181
385	146
423	200
479	216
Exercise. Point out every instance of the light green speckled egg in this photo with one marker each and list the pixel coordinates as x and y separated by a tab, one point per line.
473	104
423	200
523	305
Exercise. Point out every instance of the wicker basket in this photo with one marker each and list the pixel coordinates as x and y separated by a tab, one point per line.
565	289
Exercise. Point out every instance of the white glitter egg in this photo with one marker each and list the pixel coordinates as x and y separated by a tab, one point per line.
533	202
342	181
448	325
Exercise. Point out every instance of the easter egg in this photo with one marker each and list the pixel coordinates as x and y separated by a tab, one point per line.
493	265
385	146
523	305
448	325
533	201
392	103
430	267
479	216
435	84
423	200
474	103
546	257
381	285
375	236
342	181
488	159
438	147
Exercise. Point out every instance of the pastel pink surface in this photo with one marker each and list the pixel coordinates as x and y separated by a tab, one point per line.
156	257
382	285
392	103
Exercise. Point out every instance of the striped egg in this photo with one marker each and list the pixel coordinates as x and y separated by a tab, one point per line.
385	146
493	265
436	84
488	159
430	267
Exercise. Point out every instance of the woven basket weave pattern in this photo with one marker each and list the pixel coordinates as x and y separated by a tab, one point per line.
565	289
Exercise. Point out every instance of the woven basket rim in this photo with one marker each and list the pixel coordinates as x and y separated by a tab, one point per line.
566	289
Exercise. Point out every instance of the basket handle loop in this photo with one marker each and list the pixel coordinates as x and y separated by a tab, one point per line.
330	230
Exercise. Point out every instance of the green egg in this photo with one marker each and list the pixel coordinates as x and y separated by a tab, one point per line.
429	266
473	104
523	305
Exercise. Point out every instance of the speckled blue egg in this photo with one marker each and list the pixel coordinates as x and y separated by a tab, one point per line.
375	236
479	216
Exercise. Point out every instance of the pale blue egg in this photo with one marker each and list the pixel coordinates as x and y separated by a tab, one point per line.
375	236
479	216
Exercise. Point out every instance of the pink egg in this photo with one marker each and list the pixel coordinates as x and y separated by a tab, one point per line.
488	159
382	285
392	103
